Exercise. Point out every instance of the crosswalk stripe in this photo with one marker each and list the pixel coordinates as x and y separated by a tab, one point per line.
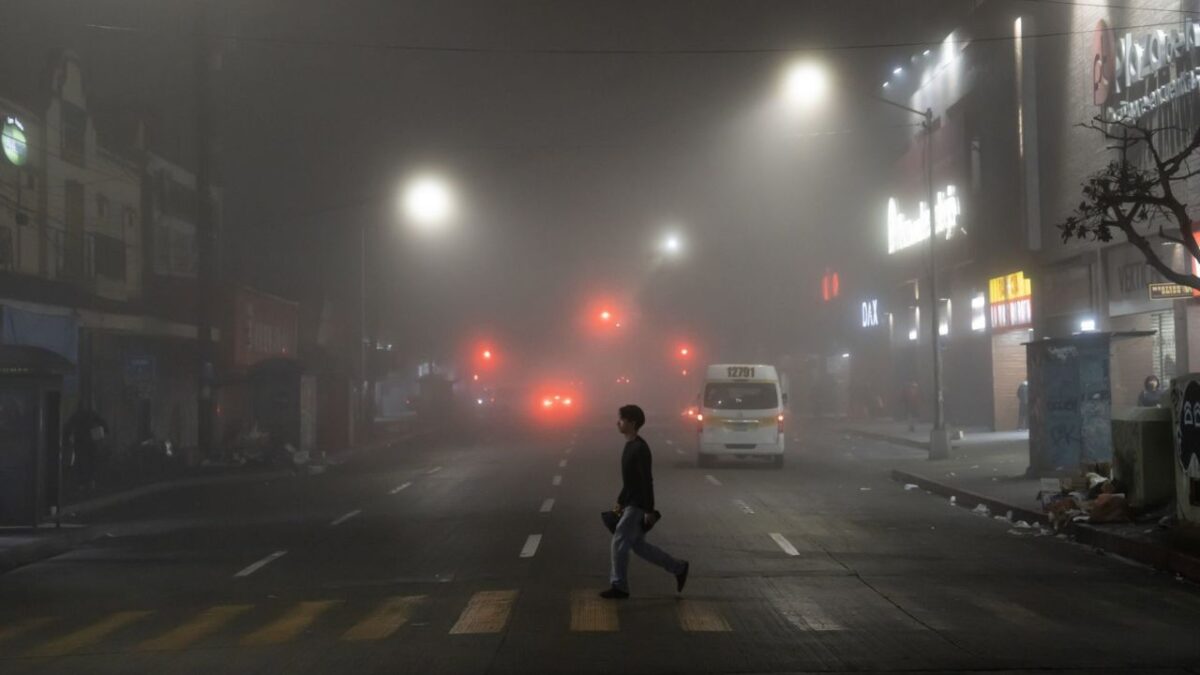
591	613
206	623
701	617
385	620
88	636
808	615
486	612
290	625
23	626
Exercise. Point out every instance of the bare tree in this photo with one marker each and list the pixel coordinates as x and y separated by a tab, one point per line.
1140	198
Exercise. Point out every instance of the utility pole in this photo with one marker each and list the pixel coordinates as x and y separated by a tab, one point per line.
939	438
205	234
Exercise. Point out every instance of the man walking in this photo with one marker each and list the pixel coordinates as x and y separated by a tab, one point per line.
635	505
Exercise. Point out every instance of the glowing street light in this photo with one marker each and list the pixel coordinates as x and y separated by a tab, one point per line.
805	84
428	201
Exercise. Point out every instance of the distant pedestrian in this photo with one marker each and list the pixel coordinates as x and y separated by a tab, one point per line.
912	403
635	507
86	434
1023	405
1151	394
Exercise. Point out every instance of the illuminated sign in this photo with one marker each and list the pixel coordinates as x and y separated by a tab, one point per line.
870	313
13	141
1011	297
1121	64
904	231
831	286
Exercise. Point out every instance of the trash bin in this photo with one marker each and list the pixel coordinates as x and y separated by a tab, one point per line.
1142	455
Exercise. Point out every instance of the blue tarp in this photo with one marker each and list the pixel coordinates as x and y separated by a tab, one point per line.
53	332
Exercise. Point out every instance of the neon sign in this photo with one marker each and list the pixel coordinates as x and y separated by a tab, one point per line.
1011	298
904	231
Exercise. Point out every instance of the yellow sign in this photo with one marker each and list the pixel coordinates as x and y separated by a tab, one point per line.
1011	298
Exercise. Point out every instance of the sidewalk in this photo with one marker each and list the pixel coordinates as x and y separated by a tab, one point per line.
21	546
987	469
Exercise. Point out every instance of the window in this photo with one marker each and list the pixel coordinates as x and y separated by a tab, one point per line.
109	257
944	316
741	396
74	133
978	313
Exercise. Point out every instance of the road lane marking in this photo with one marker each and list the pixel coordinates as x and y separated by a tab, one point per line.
254	567
23	626
679	451
1014	613
388	618
547	505
670	442
712	479
557	480
784	544
743	506
808	615
592	614
346	517
206	623
433	471
531	545
568	450
90	635
701	617
400	488
486	612
562	464
290	625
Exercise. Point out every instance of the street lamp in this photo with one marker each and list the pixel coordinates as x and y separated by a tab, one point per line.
806	85
428	201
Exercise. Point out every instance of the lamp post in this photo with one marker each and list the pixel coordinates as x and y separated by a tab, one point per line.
804	84
427	202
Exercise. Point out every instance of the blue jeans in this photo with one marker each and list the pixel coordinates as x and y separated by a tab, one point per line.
629	536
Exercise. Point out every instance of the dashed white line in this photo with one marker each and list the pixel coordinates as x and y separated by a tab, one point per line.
568	450
670	442
743	506
547	505
433	470
712	479
679	451
531	545
562	464
251	569
400	488
784	544
557	480
346	517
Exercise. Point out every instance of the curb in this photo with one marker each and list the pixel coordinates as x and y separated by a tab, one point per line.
1155	555
895	440
55	543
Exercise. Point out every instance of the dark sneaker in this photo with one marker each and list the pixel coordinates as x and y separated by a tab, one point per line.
614	594
681	578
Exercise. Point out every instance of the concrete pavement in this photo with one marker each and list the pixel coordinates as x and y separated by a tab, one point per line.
483	553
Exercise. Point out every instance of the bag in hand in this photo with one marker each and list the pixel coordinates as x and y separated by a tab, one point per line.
611	518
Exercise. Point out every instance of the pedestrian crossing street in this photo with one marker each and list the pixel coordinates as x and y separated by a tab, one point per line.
489	612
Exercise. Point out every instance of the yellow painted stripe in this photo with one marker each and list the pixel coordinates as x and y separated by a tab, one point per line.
12	630
90	635
701	617
290	625
591	613
206	623
385	620
487	612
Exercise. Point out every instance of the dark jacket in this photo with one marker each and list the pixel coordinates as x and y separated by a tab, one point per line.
637	487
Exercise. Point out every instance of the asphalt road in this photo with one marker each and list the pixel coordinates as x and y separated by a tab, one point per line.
484	553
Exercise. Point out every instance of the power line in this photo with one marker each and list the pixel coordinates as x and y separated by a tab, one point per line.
575	51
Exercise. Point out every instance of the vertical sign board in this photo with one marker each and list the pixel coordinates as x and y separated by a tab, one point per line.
1185	399
1011	300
